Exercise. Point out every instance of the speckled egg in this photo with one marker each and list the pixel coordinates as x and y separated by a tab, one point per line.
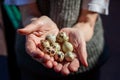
59	56
50	51
45	43
56	46
61	37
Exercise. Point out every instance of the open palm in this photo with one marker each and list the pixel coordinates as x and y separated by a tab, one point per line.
77	40
35	32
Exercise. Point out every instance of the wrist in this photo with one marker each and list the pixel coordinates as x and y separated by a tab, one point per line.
88	17
86	30
86	23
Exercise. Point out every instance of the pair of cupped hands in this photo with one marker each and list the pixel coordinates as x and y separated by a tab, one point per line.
38	29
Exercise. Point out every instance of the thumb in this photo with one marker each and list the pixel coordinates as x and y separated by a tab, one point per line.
28	29
82	55
82	52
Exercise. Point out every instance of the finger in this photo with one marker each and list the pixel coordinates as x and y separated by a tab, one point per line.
74	65
40	60
33	19
58	67
31	27
55	63
37	53
65	70
28	29
82	53
52	59
46	57
48	64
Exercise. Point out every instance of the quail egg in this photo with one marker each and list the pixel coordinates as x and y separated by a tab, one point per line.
69	56
59	56
67	46
50	51
51	38
61	37
56	46
45	43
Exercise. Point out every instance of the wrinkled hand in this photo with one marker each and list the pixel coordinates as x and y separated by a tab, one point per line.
77	39
36	31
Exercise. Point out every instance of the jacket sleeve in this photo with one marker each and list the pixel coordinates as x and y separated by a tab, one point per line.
99	6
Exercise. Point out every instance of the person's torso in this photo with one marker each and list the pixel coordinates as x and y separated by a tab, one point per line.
65	14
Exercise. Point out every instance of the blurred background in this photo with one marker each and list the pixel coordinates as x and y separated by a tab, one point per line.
109	71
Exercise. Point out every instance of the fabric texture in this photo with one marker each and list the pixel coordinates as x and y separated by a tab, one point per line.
92	5
63	14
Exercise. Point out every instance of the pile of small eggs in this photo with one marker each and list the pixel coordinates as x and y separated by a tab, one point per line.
58	47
